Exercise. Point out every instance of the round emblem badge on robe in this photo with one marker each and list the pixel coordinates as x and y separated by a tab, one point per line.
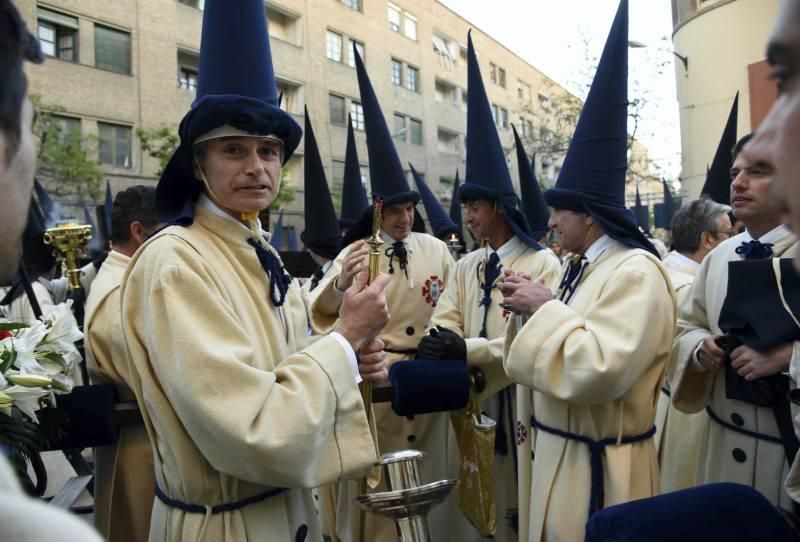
432	290
522	433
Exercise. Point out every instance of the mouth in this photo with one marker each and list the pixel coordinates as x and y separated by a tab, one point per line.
738	199
255	188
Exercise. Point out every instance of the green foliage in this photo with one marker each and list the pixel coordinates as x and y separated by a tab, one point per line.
159	143
285	193
67	160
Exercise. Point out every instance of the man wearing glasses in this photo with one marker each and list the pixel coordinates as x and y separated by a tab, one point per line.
742	443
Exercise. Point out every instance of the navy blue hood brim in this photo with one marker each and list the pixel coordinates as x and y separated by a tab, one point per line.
328	247
618	222
178	188
516	218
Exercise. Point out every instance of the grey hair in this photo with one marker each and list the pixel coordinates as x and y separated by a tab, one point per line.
692	220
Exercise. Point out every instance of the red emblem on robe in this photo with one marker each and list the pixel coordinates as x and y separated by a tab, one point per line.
432	290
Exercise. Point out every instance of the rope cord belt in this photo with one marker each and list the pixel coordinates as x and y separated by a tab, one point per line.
753	434
220	508
596	450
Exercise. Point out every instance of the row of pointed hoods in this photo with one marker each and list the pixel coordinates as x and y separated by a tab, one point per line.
236	92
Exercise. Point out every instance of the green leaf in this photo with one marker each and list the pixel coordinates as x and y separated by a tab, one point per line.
12	326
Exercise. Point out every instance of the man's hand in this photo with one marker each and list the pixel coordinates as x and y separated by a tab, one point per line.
363	312
752	365
523	294
372	361
442	344
354	263
710	355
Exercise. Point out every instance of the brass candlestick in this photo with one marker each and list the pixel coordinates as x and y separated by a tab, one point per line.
454	246
375	244
68	240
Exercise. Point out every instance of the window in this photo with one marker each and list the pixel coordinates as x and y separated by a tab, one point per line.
399	127
355	5
284	25
447	142
333	46
397	72
199	4
523	91
446	49
112	49
58	34
292	93
336	109
357	114
500	116
66	129
187	70
411	27
394	18
114	145
412	78
493	72
187	79
544	101
526	127
501	77
351	54
415	131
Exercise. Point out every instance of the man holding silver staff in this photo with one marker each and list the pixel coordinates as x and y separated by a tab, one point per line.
594	355
243	416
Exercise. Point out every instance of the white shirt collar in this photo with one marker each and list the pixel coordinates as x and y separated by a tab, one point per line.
327	266
506	250
598	247
771	236
389	240
681	260
206	203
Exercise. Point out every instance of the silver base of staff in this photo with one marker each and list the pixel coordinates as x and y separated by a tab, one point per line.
407	502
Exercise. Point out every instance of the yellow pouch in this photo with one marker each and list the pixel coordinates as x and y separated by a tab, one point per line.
475	433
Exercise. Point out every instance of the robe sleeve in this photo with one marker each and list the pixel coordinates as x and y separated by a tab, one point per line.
325	300
596	357
300	425
691	389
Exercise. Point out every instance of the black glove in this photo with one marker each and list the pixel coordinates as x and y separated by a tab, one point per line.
442	344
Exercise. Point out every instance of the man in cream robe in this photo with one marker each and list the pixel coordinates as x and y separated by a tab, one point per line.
697	228
124	473
594	356
244	417
727	454
411	301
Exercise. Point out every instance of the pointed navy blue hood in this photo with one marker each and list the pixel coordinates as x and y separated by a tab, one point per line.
487	176
386	175
533	204
354	195
642	213
592	178
718	176
455	208
663	212
438	218
276	239
322	227
236	87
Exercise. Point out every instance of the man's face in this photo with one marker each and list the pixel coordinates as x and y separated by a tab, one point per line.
398	219
573	228
481	216
16	182
750	188
243	172
777	140
724	230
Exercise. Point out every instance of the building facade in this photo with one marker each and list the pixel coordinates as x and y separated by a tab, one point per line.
115	67
723	44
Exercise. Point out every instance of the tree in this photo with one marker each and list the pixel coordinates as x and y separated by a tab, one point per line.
67	159
161	142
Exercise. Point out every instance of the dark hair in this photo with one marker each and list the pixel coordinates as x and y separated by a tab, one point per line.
16	45
692	220
135	204
739	144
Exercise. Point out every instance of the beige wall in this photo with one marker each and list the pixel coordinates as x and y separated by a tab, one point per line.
720	41
149	96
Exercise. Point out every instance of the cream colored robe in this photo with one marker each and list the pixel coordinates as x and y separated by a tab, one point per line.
124	476
411	304
764	466
233	403
595	367
678	434
461	312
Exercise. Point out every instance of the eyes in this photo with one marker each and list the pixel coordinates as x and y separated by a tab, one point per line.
237	150
755	172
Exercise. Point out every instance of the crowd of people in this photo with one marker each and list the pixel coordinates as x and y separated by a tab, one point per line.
641	396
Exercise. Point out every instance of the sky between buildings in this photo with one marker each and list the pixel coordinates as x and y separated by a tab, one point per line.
564	39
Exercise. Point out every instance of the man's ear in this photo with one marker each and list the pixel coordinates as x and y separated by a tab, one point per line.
706	240
138	233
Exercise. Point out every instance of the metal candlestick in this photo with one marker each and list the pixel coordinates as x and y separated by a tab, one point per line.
454	246
407	502
68	240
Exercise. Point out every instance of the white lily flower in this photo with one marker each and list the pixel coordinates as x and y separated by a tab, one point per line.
64	328
26	399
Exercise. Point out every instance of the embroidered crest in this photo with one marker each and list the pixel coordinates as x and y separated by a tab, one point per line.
432	290
522	433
